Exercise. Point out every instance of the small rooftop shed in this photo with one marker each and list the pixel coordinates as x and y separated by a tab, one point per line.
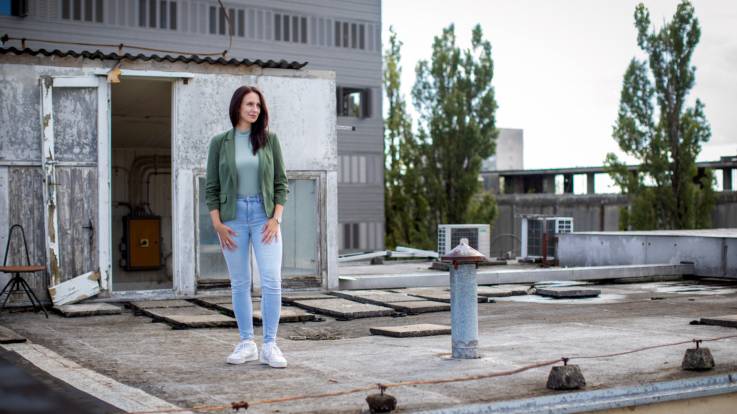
110	176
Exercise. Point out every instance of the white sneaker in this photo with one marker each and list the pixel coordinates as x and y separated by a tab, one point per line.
244	351
272	356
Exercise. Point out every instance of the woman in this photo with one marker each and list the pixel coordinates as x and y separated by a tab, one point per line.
246	192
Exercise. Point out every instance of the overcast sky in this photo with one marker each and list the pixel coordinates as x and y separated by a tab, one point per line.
559	66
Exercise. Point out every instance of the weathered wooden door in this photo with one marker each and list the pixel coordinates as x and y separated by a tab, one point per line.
75	145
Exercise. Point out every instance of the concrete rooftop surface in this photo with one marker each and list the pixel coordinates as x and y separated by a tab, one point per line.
186	367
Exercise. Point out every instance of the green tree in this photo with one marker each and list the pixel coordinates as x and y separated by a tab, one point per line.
665	192
455	99
405	202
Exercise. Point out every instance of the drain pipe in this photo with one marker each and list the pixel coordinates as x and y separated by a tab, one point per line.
464	315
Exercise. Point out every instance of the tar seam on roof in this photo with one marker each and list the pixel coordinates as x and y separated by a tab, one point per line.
99	55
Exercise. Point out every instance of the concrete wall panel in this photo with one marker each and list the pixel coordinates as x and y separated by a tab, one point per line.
201	113
730	257
302	114
601	250
711	256
704	252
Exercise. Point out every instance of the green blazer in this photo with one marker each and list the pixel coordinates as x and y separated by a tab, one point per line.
222	177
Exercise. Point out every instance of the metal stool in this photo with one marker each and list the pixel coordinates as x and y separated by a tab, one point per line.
16	282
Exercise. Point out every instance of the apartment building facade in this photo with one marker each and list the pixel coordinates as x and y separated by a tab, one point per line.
341	36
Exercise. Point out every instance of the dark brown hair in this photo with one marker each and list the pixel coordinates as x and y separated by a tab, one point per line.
260	128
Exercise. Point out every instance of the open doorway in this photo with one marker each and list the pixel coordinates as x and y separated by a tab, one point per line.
141	185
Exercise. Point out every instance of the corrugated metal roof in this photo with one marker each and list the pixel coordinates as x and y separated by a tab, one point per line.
99	55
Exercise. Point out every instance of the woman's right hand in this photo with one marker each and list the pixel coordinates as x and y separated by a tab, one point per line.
225	234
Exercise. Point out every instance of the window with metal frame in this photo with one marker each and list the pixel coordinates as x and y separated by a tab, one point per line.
79	10
353	102
156	14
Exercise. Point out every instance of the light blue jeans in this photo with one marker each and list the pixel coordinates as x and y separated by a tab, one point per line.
248	224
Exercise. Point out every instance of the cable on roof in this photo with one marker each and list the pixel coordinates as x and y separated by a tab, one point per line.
237	405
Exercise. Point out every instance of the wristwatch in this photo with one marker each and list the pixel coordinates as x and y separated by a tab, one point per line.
278	220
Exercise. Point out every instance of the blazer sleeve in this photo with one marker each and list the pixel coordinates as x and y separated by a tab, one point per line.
281	183
212	179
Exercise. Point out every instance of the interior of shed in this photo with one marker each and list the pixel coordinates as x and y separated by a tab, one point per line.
141	184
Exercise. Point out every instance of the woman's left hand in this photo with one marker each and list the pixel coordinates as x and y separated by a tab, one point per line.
270	232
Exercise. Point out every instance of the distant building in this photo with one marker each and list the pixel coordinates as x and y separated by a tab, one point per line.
509	156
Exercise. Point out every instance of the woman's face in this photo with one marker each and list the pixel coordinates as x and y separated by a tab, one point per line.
250	107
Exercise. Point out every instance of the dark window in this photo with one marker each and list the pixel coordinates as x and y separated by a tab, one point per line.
350	235
345	34
230	18
172	15
362	36
251	24
88	10
77	9
277	26
355	236
213	10
152	13
142	13
221	22
303	28
285	23
99	11
295	29
353	102
354	36
337	34
66	12
346	236
241	23
163	16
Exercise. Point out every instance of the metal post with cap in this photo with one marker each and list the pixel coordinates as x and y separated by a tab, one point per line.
464	318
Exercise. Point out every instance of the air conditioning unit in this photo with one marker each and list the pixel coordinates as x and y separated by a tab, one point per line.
450	235
534	227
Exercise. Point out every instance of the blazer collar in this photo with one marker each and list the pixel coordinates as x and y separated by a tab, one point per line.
230	134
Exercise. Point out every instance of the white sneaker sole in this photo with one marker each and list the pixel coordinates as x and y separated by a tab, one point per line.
238	361
274	365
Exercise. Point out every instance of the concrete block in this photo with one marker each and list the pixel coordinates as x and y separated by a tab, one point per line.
8	336
375	297
295	296
435	294
407	331
212	300
88	309
729	321
179	319
568	293
501	291
697	359
422	306
566	377
158	304
343	308
318	333
287	315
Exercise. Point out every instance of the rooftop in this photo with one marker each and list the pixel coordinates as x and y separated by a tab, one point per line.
186	367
